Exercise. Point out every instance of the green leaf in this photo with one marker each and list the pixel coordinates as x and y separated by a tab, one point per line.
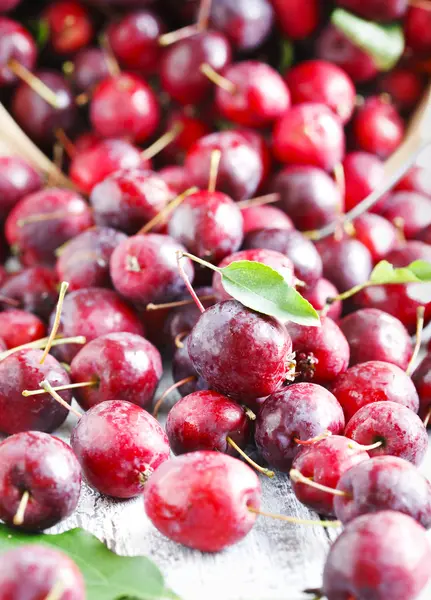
107	575
263	289
384	273
287	56
40	30
384	43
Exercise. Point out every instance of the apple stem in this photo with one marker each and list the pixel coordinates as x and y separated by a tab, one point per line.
204	15
214	166
420	316
111	61
294	520
180	303
186	280
259	200
180	34
170	389
297	477
427	418
347	294
56	324
317	592
163	141
36	84
217	79
66	142
201	261
249	413
57	591
18	519
340	179
161	216
58	160
313	440
82	99
60	388
47	387
9	301
250	461
178	339
39	344
356	445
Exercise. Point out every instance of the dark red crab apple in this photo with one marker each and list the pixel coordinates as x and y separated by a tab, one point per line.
20	327
118	446
46	470
203	500
240	352
35	288
17	179
16	43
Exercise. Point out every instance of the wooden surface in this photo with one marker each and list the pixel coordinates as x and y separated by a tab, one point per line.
276	561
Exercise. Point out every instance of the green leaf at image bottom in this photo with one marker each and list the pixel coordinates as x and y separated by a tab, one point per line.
107	576
265	290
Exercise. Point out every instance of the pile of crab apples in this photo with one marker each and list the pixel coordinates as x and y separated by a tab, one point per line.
198	134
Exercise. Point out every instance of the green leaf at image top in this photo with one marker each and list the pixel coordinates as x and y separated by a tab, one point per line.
384	43
265	290
107	576
384	273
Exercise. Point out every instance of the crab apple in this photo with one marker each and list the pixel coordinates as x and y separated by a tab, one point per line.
256	218
93	312
412	211
417	29
422	380
262	147
373	548
124	105
32	571
203	500
323	82
44	467
43	221
182	368
18	178
257	97
16	43
22	370
144	269
19	327
240	352
324	462
90	66
204	420
375	335
374	381
384	483
376	10
39	119
134	40
309	134
301	251
346	261
400	431
84	260
69	25
275	260
176	178
320	293
208	224
128	199
35	288
297	19
335	47
180	74
377	234
417	180
308	195
363	173
405	88
378	128
246	26
91	166
118	446
298	412
241	167
121	365
322	353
